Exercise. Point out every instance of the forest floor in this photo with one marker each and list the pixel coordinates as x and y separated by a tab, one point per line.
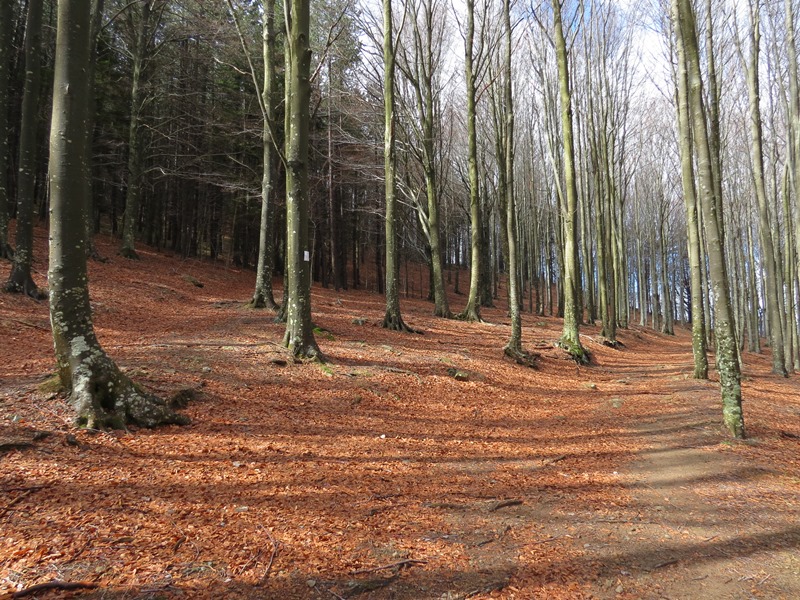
406	467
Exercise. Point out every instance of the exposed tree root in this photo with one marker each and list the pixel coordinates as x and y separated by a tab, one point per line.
394	322
577	352
103	397
6	251
261	300
470	315
53	585
282	314
21	282
129	253
610	343
521	357
444	314
94	253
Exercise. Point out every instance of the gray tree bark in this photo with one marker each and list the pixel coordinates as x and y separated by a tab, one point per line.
725	335
6	48
774	282
699	348
570	335
513	347
472	309
143	21
393	318
299	336
20	280
98	391
263	296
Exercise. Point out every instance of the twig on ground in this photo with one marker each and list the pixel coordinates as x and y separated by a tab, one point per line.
18	499
250	561
666	563
274	554
30	488
54	585
15	445
400	563
504	504
27	324
551	461
335	595
80	550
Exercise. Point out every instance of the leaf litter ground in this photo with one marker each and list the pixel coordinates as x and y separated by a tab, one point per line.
407	467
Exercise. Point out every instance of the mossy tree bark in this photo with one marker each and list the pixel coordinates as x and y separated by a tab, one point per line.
20	280
774	280
724	333
6	48
695	250
393	318
299	336
570	335
101	395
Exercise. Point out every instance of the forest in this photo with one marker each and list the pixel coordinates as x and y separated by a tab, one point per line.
410	299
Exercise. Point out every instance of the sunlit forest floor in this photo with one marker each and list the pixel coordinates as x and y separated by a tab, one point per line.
406	467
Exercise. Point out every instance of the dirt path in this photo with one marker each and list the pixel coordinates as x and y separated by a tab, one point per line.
703	521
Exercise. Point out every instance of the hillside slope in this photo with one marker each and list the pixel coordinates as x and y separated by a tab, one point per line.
406	467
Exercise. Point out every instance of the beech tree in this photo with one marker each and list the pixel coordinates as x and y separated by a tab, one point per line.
773	279
20	279
474	67
6	47
267	99
724	333
422	67
101	395
143	16
299	337
393	318
695	249
570	336
513	347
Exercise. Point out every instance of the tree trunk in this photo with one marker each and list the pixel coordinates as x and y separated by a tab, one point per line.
774	283
392	318
20	280
570	336
6	49
99	393
472	309
135	158
699	349
514	346
727	354
299	337
94	31
263	296
668	324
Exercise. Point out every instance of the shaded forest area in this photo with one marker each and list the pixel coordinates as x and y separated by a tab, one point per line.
476	269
